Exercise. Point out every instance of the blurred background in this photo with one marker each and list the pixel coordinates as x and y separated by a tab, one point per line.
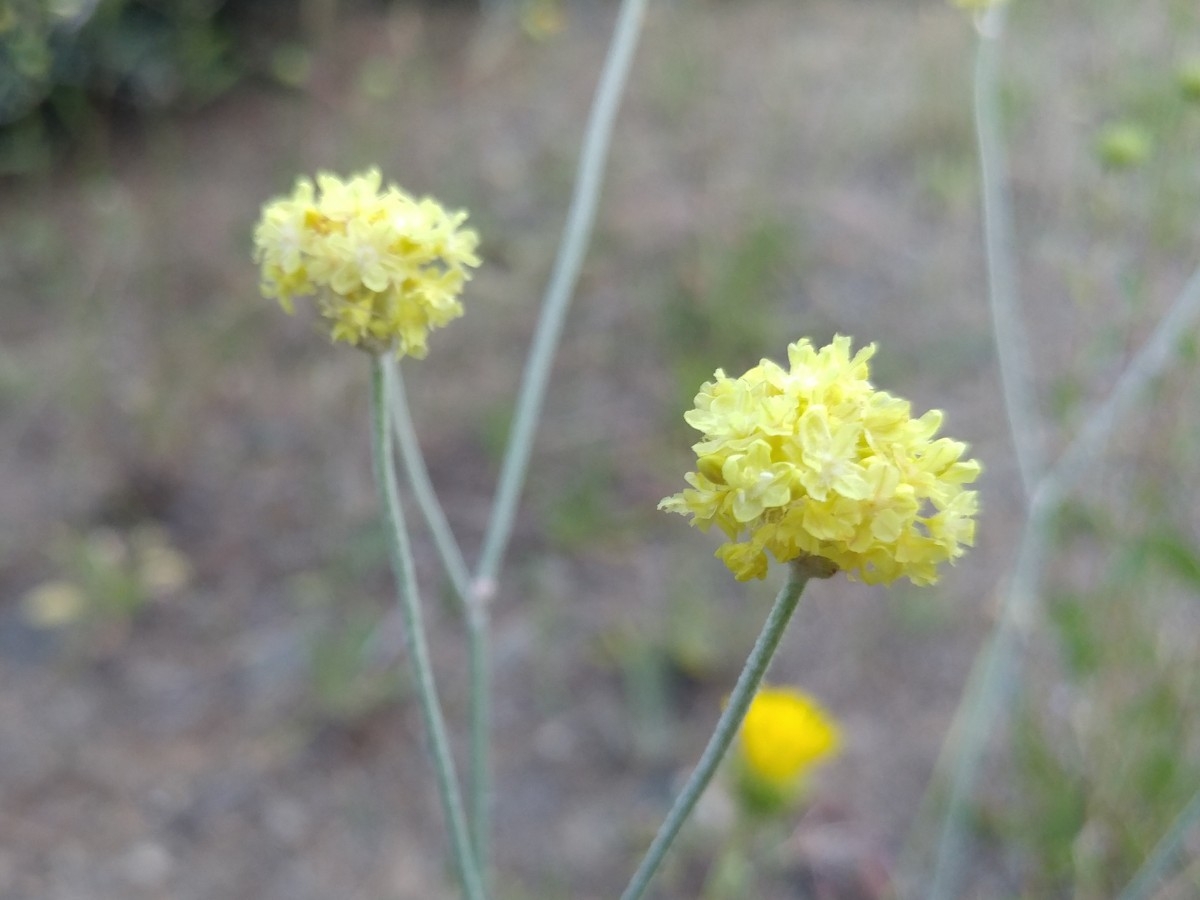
191	564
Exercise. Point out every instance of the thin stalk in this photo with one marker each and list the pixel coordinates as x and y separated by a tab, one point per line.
422	486
984	701
576	233
479	725
987	696
1152	361
727	727
1008	329
475	613
1165	853
414	633
578	229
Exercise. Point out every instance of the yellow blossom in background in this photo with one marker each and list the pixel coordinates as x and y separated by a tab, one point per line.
542	19
54	604
812	461
784	735
384	267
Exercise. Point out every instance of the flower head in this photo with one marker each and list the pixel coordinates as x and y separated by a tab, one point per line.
784	735
384	267
812	461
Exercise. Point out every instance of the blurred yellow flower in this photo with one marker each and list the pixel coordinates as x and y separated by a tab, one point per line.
784	735
54	604
385	268
812	461
542	19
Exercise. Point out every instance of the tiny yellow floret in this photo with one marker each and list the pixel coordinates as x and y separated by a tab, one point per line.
385	268
785	734
812	461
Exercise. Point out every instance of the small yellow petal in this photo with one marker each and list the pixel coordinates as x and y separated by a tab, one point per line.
785	733
356	247
813	461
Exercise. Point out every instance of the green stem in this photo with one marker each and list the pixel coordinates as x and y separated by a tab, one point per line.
1008	330
475	611
1165	854
998	666
414	633
576	234
987	695
422	486
479	673
726	730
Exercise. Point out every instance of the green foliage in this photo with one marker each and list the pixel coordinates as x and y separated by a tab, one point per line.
581	510
947	178
646	675
350	677
347	685
696	641
67	65
1187	76
1123	145
1055	809
150	55
1106	766
105	578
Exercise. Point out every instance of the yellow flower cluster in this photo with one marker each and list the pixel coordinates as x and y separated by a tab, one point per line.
384	267
812	461
785	733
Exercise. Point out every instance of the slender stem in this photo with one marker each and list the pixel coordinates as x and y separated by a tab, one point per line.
727	727
479	725
1008	330
997	669
580	218
475	611
422	486
1165	854
477	593
1152	360
985	699
414	632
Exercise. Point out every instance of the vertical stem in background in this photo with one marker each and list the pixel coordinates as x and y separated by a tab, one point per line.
414	633
727	727
474	612
998	666
987	695
422	485
479	714
1008	330
1165	854
476	593
580	219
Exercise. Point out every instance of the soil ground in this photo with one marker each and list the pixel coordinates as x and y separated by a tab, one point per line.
790	169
